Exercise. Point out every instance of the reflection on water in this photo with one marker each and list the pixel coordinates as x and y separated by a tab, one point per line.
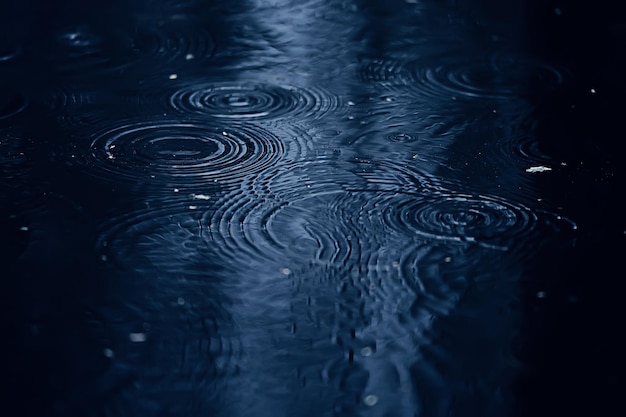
312	209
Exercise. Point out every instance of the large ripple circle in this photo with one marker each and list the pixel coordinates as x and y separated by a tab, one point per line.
447	216
252	101
183	153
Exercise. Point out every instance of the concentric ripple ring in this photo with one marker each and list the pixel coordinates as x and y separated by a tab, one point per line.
252	101
186	154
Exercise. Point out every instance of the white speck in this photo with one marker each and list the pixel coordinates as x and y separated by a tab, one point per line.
176	190
180	301
225	133
189	57
447	259
173	76
24	228
395	264
367	351
103	258
201	196
538	169
370	400
350	103
388	99
593	91
107	352
541	294
563	164
193	207
285	271
137	337
558	11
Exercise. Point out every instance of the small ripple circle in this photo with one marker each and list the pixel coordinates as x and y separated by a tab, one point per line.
252	101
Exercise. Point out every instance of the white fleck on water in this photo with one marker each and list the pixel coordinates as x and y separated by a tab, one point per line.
367	351
107	352
173	76
201	196
541	294
137	337
538	169
285	271
24	228
180	301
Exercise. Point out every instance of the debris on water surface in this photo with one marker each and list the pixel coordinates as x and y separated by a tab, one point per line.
538	169
201	196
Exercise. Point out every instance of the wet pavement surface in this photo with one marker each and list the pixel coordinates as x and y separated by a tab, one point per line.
315	208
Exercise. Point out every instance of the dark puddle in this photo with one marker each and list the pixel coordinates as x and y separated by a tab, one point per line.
319	209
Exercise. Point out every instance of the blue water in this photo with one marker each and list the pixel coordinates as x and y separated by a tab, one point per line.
314	208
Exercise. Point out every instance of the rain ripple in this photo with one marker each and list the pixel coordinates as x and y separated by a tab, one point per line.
179	39
12	102
188	154
254	101
487	221
500	76
287	216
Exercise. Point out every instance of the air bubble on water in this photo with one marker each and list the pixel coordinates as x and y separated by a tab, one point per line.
593	91
193	207
103	258
180	301
107	353
176	190
395	264
447	259
285	271
24	228
541	294
370	400
367	351
173	76
137	337
350	103
189	57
